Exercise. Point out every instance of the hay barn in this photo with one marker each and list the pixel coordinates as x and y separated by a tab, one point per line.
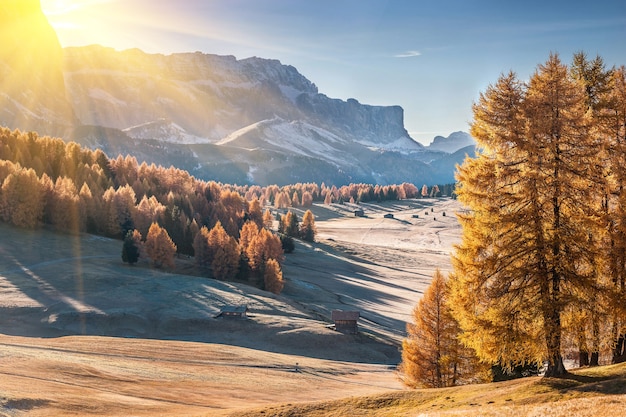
346	321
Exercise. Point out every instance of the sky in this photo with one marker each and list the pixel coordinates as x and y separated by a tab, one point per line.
433	57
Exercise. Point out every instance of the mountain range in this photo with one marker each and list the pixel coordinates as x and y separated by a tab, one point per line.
252	120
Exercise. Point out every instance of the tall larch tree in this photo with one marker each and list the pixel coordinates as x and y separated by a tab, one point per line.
255	213
588	315
307	227
226	253
432	354
273	277
289	224
268	220
202	252
159	247
611	125
525	245
264	246
225	266
249	230
64	203
21	199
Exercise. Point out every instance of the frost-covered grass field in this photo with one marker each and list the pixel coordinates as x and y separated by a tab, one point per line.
83	334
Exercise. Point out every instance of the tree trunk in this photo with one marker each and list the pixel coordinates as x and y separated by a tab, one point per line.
595	330
556	369
552	317
583	358
619	355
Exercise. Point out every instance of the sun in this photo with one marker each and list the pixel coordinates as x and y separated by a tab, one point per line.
61	13
58	7
81	22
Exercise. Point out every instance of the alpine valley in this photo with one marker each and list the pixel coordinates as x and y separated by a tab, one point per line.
247	121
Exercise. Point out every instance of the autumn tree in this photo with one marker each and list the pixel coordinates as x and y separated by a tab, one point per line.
592	310
268	220
159	247
263	247
282	200
21	199
307	199
224	251
255	213
432	354
289	224
64	206
610	124
247	234
273	277
307	228
201	248
530	211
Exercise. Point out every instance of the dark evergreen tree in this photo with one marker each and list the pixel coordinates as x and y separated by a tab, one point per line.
287	243
130	249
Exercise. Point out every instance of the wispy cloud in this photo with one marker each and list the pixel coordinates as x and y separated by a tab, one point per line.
408	54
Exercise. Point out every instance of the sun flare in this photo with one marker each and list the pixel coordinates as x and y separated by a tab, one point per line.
81	22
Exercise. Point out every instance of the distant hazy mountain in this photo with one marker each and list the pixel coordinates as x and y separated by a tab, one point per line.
247	121
452	143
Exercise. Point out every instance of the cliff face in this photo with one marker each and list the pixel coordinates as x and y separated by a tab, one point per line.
211	96
32	89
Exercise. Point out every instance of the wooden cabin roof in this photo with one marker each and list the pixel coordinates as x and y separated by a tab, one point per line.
345	315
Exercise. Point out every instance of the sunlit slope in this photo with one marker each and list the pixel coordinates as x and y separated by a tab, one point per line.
588	392
32	89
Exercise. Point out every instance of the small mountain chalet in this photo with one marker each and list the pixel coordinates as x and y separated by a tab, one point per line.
345	321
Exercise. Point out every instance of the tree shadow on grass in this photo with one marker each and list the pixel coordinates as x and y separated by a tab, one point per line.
23	404
608	385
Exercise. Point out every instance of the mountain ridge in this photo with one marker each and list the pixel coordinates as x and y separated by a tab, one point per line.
207	114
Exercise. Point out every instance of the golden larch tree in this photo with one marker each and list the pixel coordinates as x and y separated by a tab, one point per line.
225	265
524	252
159	247
432	354
268	220
21	199
202	253
610	124
273	277
263	247
307	227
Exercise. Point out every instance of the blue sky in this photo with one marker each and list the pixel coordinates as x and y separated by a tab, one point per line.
430	57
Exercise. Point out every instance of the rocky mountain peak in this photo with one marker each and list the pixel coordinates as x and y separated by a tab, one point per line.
452	143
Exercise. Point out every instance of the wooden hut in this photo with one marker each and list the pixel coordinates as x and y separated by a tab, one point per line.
233	312
346	321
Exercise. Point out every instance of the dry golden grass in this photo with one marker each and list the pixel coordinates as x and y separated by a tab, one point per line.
104	376
587	392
